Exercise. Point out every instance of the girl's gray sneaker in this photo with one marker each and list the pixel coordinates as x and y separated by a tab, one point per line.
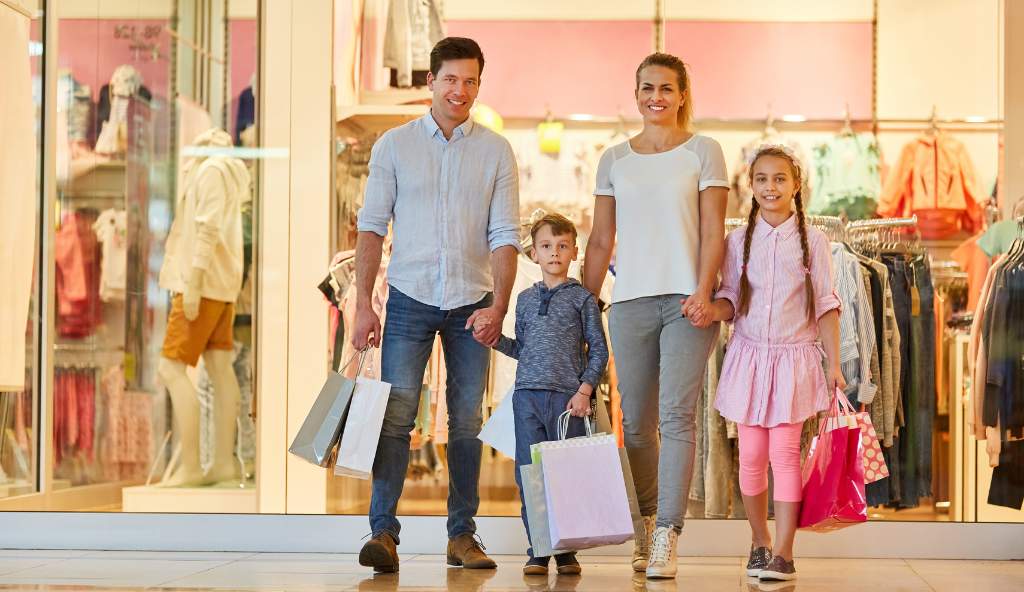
779	569
759	559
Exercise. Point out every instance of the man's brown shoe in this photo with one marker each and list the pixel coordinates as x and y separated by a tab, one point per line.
464	550
380	553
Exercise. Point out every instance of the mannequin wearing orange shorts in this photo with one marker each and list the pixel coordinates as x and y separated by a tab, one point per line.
203	271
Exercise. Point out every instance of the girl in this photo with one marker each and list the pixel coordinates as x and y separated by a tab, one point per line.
664	193
777	287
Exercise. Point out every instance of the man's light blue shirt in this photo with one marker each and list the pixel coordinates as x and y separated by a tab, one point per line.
452	202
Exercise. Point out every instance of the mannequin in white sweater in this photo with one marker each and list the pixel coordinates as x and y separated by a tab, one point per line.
203	268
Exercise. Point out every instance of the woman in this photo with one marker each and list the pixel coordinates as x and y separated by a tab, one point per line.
664	192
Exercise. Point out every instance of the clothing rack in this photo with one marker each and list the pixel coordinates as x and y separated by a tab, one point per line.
734	223
833	226
875	223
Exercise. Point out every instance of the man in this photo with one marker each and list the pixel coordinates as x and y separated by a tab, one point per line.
451	188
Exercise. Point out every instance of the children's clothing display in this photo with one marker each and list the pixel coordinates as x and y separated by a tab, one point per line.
935	179
413	27
111	228
246	442
78	275
847	176
997	338
125	85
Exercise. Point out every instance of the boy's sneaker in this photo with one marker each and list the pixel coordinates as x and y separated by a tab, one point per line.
778	570
568	565
536	566
642	545
759	559
663	562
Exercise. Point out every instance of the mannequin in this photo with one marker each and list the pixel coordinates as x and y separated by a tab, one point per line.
203	269
125	84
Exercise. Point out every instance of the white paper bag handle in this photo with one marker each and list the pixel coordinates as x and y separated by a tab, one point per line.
563	425
362	357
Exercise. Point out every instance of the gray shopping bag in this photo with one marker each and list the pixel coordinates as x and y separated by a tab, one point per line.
323	425
536	510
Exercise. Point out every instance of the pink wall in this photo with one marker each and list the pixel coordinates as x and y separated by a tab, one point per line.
810	69
88	48
245	53
807	68
528	65
91	50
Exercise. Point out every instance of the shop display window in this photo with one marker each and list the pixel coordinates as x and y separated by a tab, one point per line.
21	165
155	126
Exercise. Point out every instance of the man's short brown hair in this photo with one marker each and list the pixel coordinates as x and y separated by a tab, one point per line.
560	225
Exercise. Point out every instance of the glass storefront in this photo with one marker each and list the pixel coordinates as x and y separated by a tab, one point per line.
139	88
22	166
117	410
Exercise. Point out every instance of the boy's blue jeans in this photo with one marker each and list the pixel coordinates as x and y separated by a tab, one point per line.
536	416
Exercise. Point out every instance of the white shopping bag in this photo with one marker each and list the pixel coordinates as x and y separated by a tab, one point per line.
585	491
500	430
361	433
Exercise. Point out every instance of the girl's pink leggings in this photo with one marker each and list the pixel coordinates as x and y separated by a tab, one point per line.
780	444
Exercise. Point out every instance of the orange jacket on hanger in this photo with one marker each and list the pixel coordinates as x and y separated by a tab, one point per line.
934	178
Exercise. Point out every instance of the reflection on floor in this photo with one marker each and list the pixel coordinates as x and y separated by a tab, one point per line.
130	570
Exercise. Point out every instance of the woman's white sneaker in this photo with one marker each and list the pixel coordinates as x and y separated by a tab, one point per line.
663	560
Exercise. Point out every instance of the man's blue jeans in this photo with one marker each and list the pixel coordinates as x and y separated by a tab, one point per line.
409	331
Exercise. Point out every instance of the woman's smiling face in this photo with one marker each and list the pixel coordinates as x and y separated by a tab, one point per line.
658	96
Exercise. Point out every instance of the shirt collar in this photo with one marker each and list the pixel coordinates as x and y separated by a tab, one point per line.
568	282
785	230
433	129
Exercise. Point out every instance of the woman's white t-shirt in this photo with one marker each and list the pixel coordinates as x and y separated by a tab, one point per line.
657	214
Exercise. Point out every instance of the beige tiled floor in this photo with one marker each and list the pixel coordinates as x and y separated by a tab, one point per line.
129	570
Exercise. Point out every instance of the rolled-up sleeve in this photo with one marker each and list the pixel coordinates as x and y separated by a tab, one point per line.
731	266
503	223
825	296
381	189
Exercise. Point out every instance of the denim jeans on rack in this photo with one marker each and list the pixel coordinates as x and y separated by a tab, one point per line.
925	377
903	468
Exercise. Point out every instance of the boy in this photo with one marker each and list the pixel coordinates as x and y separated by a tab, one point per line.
555	318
